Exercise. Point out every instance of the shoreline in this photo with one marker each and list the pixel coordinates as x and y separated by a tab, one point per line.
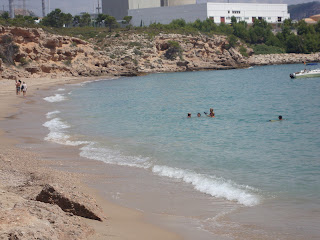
118	222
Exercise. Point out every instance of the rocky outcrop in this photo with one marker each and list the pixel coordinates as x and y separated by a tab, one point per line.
50	195
285	58
197	53
126	54
42	54
23	217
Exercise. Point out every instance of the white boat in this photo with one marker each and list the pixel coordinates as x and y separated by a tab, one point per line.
306	73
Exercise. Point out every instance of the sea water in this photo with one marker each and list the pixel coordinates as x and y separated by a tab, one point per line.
239	156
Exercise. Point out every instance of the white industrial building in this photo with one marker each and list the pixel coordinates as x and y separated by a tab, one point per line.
119	8
219	12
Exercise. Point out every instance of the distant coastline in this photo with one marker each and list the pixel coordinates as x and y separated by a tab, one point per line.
44	55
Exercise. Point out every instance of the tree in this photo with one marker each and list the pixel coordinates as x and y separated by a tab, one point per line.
57	19
85	20
273	40
208	25
127	19
302	27
233	20
5	15
110	22
100	19
317	27
311	43
294	44
240	30
76	21
260	31
67	19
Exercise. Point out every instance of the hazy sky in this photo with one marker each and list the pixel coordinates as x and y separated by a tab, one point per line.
77	6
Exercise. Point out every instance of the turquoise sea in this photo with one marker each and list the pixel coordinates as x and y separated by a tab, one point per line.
238	157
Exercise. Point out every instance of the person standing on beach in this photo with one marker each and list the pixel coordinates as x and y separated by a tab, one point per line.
18	84
24	89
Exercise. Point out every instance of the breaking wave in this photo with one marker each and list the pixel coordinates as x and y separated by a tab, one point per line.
56	98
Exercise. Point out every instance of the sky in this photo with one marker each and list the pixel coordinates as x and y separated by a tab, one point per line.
77	6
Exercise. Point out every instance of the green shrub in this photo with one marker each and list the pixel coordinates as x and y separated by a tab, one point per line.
137	52
264	49
135	44
67	62
232	42
173	51
8	50
73	44
243	51
135	62
23	61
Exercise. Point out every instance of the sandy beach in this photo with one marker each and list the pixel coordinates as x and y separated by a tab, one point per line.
25	173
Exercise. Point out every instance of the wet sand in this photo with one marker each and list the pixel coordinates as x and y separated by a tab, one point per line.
25	154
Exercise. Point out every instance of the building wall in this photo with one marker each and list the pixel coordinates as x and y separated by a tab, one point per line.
242	11
117	9
137	4
180	2
165	15
248	11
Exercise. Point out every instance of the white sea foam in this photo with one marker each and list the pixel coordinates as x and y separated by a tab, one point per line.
56	98
113	157
61	89
52	114
57	133
213	186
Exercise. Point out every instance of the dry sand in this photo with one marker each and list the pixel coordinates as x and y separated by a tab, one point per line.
23	174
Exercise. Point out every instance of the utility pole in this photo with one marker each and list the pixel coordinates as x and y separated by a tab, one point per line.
49	6
43	8
11	9
98	8
24	9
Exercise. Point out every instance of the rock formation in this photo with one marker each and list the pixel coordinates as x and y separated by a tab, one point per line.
42	54
67	204
24	217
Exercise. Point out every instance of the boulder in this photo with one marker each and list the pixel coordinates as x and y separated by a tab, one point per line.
52	43
50	195
32	69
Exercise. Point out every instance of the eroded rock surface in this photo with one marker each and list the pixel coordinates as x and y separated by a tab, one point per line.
50	195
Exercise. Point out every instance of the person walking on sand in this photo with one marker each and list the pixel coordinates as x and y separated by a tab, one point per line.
18	85
24	89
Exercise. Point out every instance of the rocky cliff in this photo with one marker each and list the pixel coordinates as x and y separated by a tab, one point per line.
26	53
41	54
